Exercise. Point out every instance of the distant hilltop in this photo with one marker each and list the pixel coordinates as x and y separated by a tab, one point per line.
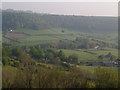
13	19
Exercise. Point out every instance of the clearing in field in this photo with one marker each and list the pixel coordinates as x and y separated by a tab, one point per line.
16	35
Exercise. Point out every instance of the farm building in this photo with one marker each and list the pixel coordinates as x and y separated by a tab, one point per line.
99	48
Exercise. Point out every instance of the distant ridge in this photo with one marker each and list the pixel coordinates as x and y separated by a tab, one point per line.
13	19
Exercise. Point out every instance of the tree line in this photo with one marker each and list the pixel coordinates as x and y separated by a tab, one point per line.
11	56
24	20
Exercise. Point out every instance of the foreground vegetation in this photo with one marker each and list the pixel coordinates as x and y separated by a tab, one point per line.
52	69
57	77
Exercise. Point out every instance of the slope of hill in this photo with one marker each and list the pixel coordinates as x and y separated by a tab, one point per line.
36	21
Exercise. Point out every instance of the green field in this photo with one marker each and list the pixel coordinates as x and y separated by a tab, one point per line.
57	34
91	54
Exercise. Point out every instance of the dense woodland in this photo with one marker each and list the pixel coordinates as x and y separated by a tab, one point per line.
20	19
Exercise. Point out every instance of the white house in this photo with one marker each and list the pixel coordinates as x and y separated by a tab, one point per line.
11	30
96	47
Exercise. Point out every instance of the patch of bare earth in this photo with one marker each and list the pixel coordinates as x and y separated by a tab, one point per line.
16	35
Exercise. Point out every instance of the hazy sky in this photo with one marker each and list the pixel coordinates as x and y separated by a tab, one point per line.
67	8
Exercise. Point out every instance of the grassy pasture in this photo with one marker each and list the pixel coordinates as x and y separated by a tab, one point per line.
38	36
56	34
92	56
